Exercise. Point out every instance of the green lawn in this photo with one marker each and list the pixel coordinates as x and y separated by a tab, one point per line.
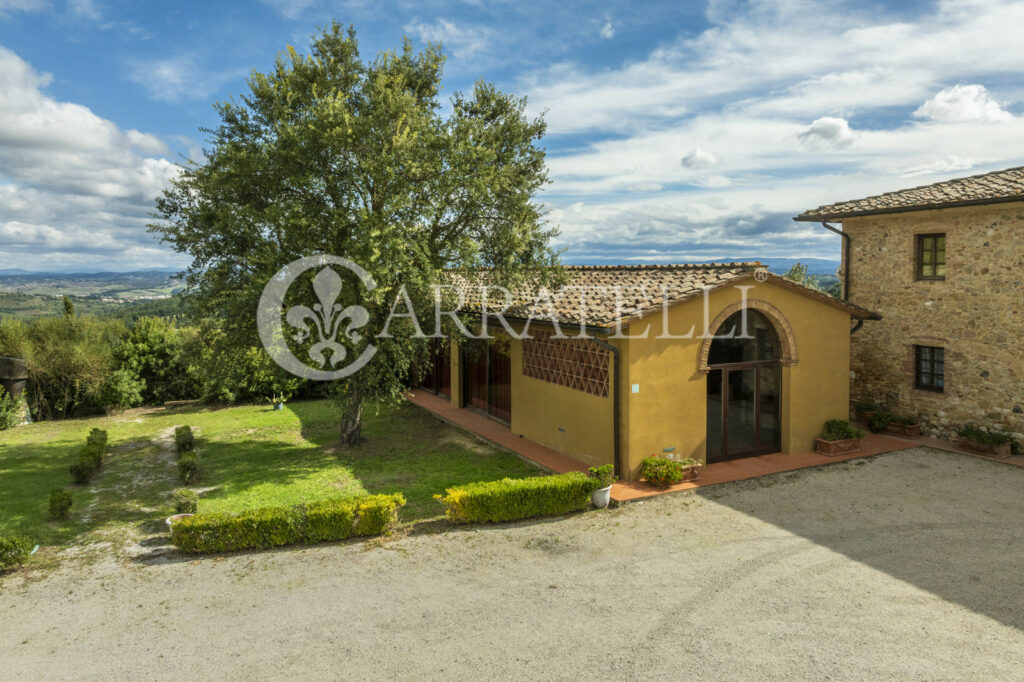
250	456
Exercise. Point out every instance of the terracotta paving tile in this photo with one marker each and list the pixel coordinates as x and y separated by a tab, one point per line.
714	473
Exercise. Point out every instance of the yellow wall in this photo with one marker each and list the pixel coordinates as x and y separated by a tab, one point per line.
669	410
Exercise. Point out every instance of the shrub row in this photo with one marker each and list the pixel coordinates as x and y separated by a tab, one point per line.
185	501
90	458
518	498
188	459
60	503
13	551
996	438
276	526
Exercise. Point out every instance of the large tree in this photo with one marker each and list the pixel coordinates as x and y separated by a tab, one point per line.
330	154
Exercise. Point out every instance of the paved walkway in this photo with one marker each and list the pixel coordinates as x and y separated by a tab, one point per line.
717	472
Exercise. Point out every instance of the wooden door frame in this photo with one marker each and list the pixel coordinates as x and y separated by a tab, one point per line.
755	365
464	381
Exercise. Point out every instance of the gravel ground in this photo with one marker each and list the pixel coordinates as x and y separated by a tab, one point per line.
908	565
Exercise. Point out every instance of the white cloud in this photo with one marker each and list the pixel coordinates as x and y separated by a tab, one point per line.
75	189
181	77
963	103
85	8
8	6
939	166
827	132
698	158
608	30
461	41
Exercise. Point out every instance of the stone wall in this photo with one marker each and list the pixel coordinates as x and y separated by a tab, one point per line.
976	314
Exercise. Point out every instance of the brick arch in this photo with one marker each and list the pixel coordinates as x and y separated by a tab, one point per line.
787	341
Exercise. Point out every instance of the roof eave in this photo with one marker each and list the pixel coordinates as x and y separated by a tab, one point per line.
809	217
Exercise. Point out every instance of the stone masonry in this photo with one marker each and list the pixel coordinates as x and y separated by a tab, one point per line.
976	314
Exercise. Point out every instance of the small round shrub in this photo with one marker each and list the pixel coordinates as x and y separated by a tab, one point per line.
663	472
604	474
840	429
13	551
60	503
188	467
185	501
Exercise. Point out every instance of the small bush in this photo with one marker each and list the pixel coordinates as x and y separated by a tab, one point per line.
660	471
13	551
121	390
605	475
60	503
510	499
994	438
90	457
905	420
185	501
866	406
9	412
97	438
881	420
183	439
840	429
276	526
188	467
82	471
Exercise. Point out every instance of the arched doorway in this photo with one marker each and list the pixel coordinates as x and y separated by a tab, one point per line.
744	388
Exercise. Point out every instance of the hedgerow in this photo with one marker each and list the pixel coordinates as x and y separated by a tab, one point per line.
13	551
518	498
90	458
275	526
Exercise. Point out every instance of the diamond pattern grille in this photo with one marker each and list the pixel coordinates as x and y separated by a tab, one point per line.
579	364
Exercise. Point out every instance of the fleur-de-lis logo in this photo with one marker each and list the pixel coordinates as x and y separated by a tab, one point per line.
326	318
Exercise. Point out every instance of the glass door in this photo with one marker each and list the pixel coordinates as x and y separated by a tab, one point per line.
744	415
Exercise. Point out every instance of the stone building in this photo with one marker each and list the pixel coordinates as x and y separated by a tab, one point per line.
944	266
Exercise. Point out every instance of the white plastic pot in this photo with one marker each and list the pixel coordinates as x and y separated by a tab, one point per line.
177	517
601	497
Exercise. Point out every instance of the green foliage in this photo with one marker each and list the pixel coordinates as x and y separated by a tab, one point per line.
904	420
994	438
13	551
185	501
605	475
121	390
60	503
330	153
9	412
879	421
663	472
840	429
510	499
866	406
183	438
276	526
160	356
90	458
188	467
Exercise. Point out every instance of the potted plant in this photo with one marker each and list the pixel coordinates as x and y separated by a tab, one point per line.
277	400
664	472
839	438
992	443
865	409
880	421
605	476
908	427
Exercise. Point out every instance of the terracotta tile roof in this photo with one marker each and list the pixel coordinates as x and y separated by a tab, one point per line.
597	295
988	188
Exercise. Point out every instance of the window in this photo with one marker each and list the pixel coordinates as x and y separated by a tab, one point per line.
929	368
931	256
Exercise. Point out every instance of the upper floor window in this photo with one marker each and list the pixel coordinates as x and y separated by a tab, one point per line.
930	368
931	256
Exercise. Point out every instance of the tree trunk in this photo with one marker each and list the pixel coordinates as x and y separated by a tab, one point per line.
351	414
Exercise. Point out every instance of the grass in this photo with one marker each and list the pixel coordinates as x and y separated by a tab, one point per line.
250	456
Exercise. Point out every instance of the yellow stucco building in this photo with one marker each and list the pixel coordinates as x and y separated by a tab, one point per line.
707	362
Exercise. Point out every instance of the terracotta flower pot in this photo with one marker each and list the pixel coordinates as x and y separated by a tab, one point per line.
1001	451
905	430
831	448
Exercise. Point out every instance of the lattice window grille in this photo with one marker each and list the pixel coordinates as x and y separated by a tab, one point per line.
579	364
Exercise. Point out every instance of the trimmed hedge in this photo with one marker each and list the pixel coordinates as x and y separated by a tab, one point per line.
185	501
183	439
90	458
275	526
188	467
518	498
60	503
13	551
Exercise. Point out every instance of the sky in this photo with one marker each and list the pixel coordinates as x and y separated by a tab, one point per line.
678	131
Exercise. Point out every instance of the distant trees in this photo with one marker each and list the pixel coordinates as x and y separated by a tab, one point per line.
799	274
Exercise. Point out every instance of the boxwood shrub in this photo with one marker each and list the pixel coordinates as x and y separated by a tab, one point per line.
185	501
840	429
276	526
518	498
188	467
183	438
661	471
60	503
90	458
13	551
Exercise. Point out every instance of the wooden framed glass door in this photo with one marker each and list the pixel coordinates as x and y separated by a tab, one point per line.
487	377
744	410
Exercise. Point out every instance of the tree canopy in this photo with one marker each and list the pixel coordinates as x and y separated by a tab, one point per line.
330	154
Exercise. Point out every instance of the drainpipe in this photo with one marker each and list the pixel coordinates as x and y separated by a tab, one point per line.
615	401
846	257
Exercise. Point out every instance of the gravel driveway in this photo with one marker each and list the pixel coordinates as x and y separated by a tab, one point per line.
908	565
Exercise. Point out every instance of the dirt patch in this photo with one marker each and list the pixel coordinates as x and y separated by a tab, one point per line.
905	567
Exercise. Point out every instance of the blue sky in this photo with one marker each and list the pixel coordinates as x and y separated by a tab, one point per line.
677	131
